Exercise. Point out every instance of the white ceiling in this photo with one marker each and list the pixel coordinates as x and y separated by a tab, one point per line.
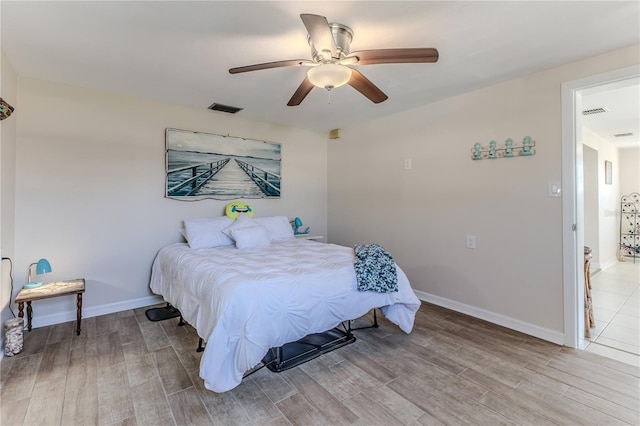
180	52
621	100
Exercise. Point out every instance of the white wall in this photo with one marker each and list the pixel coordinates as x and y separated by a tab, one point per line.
608	200
629	170
90	188
423	215
8	89
90	184
591	204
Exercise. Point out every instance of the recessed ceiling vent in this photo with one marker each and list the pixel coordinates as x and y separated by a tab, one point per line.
595	111
622	135
224	108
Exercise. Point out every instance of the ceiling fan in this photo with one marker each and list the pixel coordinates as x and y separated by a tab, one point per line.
332	61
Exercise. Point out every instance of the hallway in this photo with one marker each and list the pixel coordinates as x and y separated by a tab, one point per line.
616	303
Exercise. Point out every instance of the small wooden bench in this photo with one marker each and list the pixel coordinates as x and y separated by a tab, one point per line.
47	291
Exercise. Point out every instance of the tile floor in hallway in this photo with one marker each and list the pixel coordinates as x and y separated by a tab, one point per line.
616	305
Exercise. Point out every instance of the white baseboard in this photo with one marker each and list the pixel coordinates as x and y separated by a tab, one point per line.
505	321
608	264
514	324
94	311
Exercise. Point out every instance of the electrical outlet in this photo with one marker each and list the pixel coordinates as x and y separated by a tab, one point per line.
471	241
407	163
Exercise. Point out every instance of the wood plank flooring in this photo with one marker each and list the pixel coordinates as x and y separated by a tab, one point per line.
451	370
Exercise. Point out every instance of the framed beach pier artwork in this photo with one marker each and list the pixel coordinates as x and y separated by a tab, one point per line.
204	165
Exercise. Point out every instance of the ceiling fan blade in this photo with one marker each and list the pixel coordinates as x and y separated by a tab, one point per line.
320	34
395	56
363	85
301	93
268	65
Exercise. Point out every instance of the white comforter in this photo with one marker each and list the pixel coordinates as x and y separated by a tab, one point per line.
243	302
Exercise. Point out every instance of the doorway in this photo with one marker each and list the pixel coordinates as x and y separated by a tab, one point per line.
573	202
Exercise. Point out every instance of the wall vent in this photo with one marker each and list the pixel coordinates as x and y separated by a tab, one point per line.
224	108
622	135
595	111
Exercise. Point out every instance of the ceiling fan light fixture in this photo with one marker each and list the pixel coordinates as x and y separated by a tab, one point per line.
329	76
331	60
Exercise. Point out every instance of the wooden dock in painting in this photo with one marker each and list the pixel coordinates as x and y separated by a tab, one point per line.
198	176
223	178
269	183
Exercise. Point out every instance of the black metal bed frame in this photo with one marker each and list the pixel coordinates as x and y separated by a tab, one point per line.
292	354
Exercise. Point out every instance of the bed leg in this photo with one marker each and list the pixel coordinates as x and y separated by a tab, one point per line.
200	348
349	330
182	322
374	325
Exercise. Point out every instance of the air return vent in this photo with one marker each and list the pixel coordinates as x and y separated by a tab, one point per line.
224	108
594	111
622	135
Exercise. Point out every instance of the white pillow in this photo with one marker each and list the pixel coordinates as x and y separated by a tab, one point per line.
250	237
207	233
278	227
243	221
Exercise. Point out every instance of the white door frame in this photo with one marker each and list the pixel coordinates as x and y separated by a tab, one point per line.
573	198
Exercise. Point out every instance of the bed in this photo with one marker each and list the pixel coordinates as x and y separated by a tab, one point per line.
244	301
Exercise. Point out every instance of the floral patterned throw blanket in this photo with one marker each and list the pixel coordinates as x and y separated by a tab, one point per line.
375	269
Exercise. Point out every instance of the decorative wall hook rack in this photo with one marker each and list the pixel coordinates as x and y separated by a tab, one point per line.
5	109
524	149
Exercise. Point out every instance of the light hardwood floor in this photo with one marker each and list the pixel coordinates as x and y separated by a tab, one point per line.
452	369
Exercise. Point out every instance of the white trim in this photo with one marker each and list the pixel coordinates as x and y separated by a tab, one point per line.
608	264
573	195
569	216
94	311
505	321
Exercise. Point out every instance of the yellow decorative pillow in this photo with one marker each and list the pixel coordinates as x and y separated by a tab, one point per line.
235	208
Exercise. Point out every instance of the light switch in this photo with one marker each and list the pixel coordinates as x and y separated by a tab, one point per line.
554	189
471	241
